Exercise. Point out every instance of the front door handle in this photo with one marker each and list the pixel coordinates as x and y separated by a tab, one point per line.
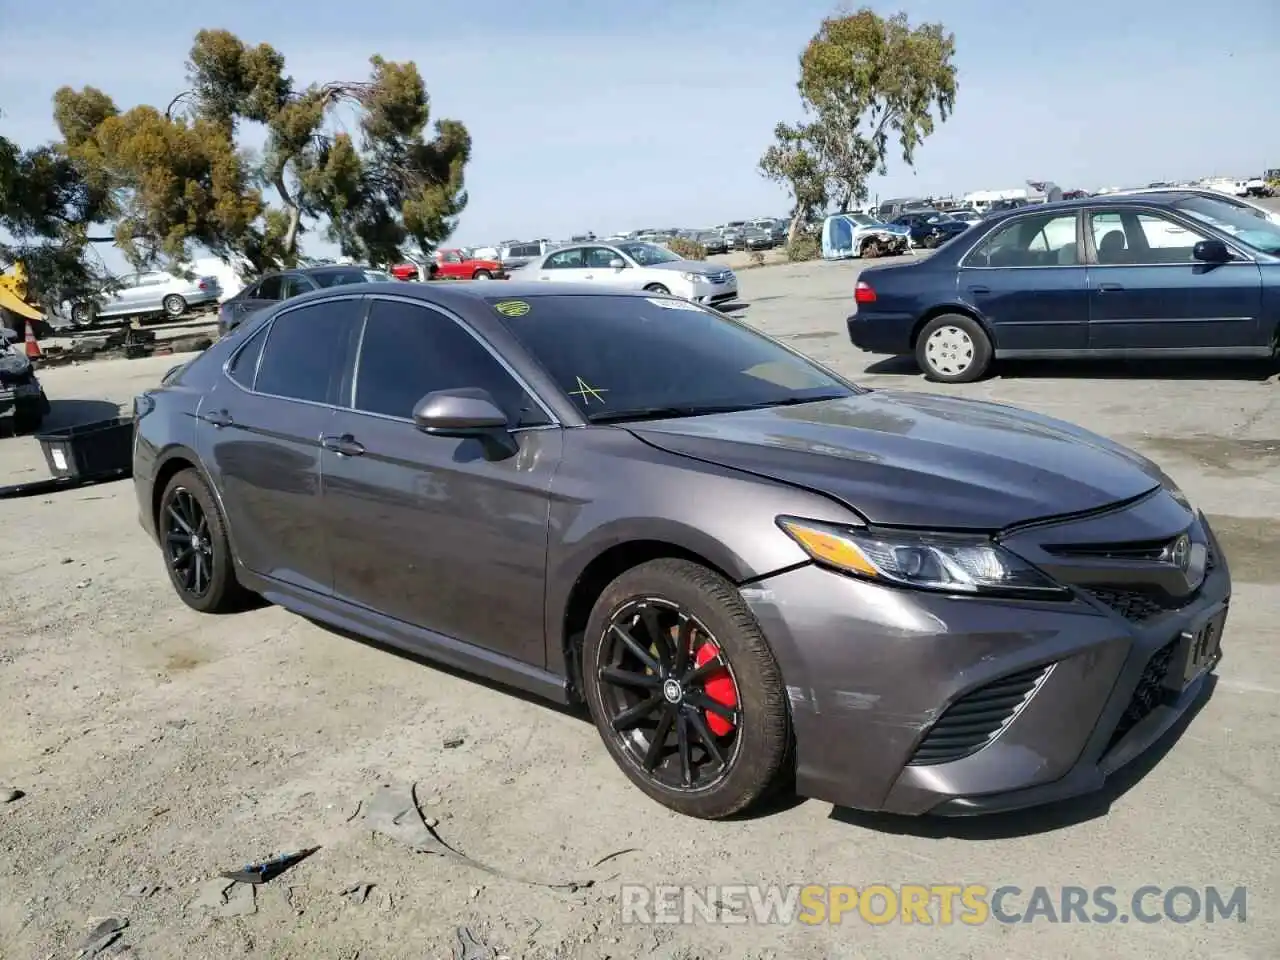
219	418
980	291
1109	288
344	446
589	276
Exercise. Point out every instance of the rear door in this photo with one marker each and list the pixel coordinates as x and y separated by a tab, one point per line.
267	291
1029	281
260	432
1148	292
565	266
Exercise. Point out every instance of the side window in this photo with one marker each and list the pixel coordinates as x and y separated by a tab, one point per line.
1045	240
245	363
1167	241
271	288
451	256
294	286
409	351
599	258
565	260
305	349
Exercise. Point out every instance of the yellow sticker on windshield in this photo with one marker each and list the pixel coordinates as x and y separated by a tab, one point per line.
512	308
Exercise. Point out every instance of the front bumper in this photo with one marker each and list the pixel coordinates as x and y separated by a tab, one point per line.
26	396
712	292
870	671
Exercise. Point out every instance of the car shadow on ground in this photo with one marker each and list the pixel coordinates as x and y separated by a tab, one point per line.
1259	371
71	413
1036	820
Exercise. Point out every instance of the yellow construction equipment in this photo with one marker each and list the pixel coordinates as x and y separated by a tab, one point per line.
13	294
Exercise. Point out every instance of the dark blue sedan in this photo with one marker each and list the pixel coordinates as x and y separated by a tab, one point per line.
1139	276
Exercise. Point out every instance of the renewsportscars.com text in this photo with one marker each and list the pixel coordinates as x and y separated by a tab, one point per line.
930	904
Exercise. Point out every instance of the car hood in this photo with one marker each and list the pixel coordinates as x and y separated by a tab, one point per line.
700	267
919	460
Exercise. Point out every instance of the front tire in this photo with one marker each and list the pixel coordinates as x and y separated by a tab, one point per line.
684	690
953	348
482	275
193	540
657	288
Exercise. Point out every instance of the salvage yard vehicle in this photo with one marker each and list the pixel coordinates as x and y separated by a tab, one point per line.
636	265
147	294
1149	275
846	235
23	403
274	287
461	265
745	566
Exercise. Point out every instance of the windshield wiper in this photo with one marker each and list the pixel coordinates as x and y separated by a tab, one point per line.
692	410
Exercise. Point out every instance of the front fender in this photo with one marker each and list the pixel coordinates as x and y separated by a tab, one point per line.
613	488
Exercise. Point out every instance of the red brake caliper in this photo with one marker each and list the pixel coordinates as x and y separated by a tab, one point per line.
718	687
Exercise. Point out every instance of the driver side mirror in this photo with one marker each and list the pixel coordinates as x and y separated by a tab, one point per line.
1211	251
463	413
8	335
617	263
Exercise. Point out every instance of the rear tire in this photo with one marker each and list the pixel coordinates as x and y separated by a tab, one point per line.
953	348
83	315
221	592
754	751
174	306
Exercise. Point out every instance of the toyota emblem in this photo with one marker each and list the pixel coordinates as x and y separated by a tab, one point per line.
1180	553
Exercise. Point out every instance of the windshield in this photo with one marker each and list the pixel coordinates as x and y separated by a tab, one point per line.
1240	222
335	278
631	358
863	220
647	254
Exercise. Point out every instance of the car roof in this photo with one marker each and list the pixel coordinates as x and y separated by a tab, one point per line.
1162	198
475	291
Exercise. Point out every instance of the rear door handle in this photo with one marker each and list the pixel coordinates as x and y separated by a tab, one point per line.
344	446
980	291
219	418
1109	287
589	276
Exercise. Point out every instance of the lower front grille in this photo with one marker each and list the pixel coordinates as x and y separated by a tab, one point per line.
978	717
1149	693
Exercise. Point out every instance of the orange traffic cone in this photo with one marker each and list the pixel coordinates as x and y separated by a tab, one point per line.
32	345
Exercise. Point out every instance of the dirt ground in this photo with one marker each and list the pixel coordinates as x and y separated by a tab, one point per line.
155	748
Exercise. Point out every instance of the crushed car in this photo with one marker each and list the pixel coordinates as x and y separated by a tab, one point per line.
847	235
23	403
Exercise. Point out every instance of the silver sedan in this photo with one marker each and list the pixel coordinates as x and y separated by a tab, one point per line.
146	294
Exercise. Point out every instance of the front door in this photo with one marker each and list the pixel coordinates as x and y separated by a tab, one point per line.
1029	281
431	529
260	433
1148	292
598	270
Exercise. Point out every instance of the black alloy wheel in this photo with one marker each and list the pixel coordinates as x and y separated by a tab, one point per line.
187	545
684	690
656	695
197	553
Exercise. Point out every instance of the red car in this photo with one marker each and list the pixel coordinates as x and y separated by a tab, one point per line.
451	265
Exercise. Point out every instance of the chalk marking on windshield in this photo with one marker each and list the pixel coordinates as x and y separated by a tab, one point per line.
587	392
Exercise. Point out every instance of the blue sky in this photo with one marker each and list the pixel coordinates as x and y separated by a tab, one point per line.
612	116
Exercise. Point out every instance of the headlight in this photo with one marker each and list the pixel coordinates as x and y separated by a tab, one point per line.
692	277
941	562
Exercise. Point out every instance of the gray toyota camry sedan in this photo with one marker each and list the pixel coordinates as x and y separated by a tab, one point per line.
754	573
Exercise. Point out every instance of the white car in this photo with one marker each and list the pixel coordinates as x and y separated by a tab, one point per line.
1245	206
635	265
